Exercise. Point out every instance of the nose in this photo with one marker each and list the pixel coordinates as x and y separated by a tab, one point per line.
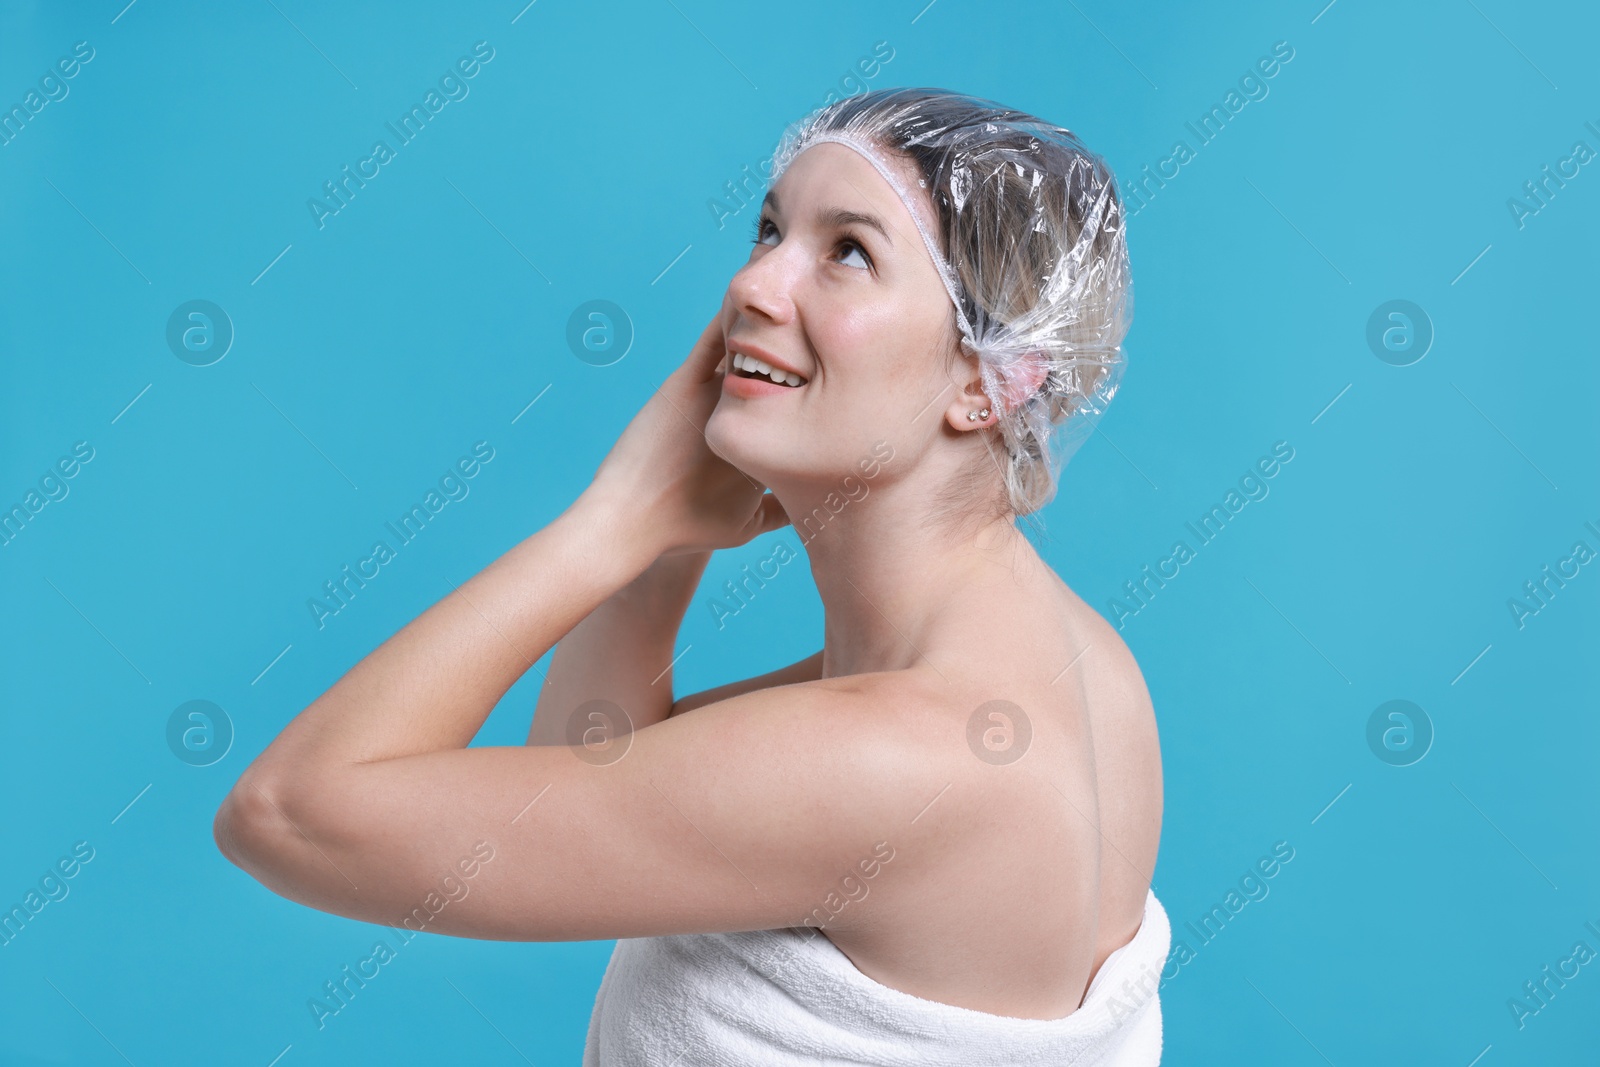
763	288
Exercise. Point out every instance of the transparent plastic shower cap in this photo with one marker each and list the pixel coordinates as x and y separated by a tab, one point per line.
1037	268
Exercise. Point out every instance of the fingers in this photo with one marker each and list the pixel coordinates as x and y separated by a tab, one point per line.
772	515
708	351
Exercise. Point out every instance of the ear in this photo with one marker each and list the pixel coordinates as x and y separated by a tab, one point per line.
1024	378
1017	385
969	398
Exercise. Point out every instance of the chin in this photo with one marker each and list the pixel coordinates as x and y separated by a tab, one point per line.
746	443
726	440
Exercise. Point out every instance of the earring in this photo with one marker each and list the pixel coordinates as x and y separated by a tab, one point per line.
975	416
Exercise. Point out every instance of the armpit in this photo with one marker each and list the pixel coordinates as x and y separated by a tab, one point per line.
806	670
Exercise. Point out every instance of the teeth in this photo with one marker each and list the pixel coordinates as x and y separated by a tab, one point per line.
749	363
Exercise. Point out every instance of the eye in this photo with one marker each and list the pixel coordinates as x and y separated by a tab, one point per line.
853	248
763	225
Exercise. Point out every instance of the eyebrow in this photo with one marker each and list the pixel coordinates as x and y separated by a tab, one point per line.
836	216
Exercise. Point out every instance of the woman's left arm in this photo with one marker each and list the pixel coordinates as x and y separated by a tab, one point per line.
375	778
431	686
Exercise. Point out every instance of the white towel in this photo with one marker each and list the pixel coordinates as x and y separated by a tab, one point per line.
775	998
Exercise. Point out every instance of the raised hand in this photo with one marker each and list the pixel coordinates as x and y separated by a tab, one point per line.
664	478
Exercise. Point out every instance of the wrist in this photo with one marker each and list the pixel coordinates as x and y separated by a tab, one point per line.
615	542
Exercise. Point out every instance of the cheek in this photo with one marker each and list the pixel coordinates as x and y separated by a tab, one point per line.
884	340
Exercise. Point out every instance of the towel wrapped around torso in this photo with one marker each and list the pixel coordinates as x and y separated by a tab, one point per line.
775	998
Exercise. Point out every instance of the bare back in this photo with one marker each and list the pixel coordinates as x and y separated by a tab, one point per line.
1018	918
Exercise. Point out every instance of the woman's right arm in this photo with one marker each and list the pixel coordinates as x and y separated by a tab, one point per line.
617	652
622	651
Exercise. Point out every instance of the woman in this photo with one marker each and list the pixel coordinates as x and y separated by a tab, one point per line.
961	790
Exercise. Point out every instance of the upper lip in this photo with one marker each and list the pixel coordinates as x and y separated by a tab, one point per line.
745	349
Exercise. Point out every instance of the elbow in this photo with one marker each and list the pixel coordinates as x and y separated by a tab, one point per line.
242	825
262	827
225	829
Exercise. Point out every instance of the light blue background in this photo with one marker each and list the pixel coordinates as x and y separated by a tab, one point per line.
432	310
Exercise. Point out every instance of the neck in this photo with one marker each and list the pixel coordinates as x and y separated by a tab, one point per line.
896	588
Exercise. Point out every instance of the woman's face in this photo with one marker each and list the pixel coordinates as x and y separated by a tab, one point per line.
840	290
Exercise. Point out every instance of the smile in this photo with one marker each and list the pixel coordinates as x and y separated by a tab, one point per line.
750	367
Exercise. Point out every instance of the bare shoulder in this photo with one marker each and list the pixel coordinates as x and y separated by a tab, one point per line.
1112	678
879	723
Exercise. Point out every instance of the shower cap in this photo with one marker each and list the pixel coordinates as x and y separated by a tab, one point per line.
1029	243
